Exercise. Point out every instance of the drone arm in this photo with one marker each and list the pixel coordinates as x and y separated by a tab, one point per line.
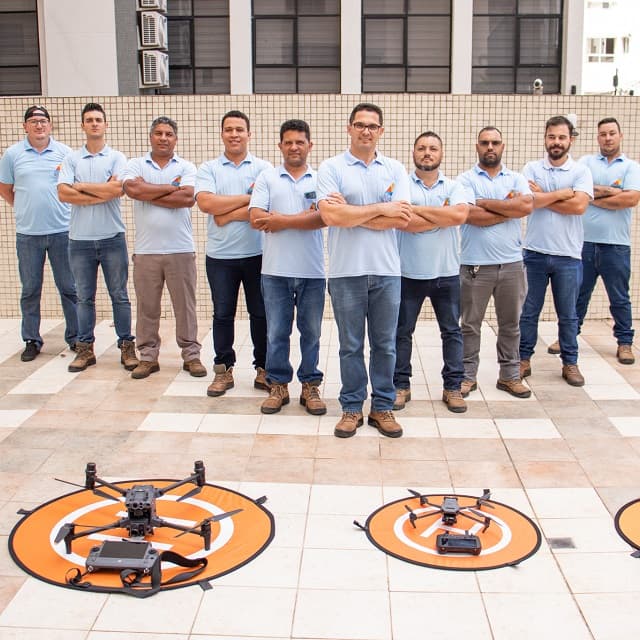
170	487
113	487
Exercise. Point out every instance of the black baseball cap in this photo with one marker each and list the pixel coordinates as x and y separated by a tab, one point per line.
36	110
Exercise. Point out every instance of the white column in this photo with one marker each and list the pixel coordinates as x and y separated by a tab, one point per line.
78	49
461	45
240	47
573	53
351	47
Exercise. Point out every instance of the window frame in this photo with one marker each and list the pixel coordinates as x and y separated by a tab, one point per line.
36	90
516	65
190	19
405	16
295	65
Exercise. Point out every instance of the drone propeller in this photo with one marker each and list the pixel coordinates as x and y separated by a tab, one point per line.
195	491
418	495
98	492
217	518
412	516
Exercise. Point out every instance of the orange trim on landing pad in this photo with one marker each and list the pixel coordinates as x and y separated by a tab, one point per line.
627	522
510	538
235	541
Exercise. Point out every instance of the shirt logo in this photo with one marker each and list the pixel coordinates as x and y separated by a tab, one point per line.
446	202
250	189
511	195
617	183
388	194
176	181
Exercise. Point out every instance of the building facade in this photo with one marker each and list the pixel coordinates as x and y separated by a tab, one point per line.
79	47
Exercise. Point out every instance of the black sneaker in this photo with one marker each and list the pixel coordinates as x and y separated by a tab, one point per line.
30	352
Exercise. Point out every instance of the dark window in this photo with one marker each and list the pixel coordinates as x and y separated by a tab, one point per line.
19	52
515	42
198	46
296	46
406	46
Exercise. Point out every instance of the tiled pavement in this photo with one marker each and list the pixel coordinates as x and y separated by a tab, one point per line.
568	457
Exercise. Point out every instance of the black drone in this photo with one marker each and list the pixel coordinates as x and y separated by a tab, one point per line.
450	509
140	502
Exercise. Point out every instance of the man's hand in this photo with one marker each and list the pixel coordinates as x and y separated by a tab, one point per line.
270	223
397	209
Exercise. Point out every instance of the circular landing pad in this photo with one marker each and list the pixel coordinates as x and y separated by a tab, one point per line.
510	538
235	540
627	523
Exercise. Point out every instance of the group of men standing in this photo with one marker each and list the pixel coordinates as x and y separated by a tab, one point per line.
393	240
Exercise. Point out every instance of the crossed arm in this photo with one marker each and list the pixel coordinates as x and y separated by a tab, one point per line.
86	193
564	201
224	209
335	212
612	198
488	211
425	218
163	195
270	221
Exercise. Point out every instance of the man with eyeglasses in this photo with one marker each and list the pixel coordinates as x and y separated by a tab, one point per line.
90	182
161	183
234	250
491	261
364	197
28	181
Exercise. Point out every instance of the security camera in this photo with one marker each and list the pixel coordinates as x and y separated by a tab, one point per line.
537	83
537	88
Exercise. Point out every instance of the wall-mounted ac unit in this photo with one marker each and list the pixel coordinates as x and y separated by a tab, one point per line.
154	69
156	5
153	30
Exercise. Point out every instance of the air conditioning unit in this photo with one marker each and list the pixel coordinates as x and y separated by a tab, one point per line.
153	30
156	5
154	69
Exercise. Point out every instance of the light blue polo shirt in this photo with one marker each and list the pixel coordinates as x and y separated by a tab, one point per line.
499	243
435	253
604	225
34	176
550	232
357	251
290	253
158	229
223	177
94	221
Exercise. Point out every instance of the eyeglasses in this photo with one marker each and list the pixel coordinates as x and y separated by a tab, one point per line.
361	126
38	123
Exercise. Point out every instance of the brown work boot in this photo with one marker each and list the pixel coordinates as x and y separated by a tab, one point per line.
514	387
348	424
385	423
195	368
525	369
554	348
467	387
311	400
145	369
128	358
84	357
402	397
572	375
454	401
261	381
222	380
278	397
625	354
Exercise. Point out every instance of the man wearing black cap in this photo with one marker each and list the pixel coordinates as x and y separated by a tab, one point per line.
28	182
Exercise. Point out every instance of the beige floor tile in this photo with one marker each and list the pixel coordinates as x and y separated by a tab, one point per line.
358	472
542	474
415	473
266	469
277	446
532	450
412	449
475	449
475	474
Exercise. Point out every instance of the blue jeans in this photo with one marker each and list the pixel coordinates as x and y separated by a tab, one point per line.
224	278
85	256
281	296
612	262
565	275
32	251
374	300
444	294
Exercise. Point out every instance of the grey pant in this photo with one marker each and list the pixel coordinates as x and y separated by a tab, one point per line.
150	272
507	283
